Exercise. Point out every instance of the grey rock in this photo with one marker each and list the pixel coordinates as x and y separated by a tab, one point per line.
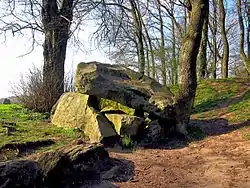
125	86
20	173
125	124
76	110
155	132
73	163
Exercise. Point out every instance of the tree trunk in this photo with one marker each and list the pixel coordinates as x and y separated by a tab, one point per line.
174	62
244	57
147	56
139	34
214	65
225	57
151	51
162	46
202	56
188	77
56	22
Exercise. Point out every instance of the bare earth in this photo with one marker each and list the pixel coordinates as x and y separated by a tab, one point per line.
218	162
221	160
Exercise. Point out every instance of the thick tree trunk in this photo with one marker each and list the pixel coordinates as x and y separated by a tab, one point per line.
202	56
188	78
56	22
225	57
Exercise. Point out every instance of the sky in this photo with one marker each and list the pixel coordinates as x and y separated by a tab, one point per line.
12	66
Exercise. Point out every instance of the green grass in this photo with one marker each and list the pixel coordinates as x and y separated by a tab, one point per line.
30	126
127	142
211	92
241	110
211	95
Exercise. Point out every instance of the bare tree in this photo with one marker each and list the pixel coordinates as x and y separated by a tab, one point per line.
245	57
52	19
225	56
202	56
198	13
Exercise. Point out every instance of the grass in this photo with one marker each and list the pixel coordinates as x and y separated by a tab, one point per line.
213	95
211	92
30	126
238	111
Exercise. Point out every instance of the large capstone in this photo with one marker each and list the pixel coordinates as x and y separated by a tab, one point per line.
76	110
124	86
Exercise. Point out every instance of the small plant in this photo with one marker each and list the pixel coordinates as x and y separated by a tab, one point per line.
127	142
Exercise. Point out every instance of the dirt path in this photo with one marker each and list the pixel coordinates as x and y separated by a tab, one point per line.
217	162
222	160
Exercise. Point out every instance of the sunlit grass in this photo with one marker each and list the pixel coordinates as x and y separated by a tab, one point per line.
29	126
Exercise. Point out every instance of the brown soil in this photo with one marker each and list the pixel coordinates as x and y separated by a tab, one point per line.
217	162
222	160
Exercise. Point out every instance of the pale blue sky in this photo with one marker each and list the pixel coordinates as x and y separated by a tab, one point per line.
12	66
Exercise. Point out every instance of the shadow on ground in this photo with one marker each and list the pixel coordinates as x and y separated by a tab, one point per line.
217	126
110	171
198	130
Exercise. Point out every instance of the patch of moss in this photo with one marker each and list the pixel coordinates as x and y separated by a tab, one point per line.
106	105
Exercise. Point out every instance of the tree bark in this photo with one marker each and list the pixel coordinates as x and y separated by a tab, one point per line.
174	62
56	22
214	29
188	77
162	46
245	58
225	56
202	56
139	34
147	56
151	51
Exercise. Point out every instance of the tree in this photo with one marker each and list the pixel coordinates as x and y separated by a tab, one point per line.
245	57
225	56
56	25
198	11
202	56
52	19
162	53
214	29
137	22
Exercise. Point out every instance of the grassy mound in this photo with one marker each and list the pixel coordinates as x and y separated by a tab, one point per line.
218	103
230	96
19	125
